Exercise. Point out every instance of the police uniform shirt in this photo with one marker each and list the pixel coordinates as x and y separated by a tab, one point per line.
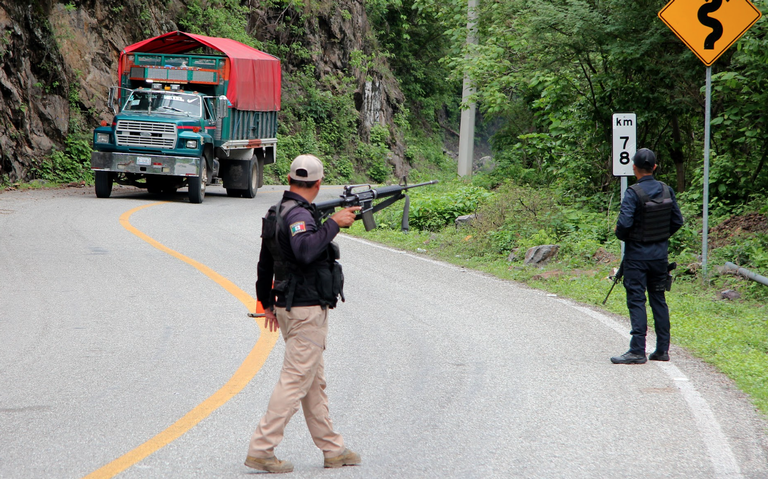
304	244
634	250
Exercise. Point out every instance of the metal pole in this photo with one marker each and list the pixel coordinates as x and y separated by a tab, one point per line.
623	192
705	215
467	130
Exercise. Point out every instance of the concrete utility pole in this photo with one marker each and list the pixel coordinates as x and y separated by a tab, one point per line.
467	131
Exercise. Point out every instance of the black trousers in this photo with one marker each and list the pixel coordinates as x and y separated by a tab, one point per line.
639	277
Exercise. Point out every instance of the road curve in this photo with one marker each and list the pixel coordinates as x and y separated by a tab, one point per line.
107	341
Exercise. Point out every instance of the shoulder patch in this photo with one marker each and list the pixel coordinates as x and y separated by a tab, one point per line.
298	227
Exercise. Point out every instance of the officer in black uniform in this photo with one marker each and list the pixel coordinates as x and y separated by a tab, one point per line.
649	216
299	280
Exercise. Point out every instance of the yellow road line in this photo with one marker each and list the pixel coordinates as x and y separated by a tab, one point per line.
247	370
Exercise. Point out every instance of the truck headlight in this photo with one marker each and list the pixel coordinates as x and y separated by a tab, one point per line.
192	144
102	137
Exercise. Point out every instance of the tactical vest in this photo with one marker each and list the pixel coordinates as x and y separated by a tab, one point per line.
321	282
652	218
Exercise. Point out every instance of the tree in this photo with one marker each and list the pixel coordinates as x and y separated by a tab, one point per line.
555	71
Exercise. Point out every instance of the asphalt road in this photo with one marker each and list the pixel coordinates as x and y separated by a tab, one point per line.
125	350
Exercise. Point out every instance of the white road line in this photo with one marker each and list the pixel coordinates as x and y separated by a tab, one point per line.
719	450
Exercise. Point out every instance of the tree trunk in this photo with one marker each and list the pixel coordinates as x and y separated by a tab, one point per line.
676	152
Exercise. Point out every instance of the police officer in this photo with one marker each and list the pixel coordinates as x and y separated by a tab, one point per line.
649	216
298	281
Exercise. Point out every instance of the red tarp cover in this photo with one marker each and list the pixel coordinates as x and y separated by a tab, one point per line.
254	78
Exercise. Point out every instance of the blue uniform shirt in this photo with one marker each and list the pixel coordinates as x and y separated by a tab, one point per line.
631	207
304	245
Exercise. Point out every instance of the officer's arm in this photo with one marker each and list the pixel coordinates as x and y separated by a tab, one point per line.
308	241
676	221
265	273
626	215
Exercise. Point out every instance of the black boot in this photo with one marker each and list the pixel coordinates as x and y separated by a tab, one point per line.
629	358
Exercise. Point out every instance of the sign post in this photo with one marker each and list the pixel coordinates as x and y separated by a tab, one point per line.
624	148
708	28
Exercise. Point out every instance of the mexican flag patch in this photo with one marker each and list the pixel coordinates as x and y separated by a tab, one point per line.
298	227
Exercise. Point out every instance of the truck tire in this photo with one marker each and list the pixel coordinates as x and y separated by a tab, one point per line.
253	185
197	184
103	184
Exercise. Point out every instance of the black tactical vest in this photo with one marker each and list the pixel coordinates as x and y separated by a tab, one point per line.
652	218
321	282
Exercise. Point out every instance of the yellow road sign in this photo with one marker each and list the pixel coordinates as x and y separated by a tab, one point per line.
709	28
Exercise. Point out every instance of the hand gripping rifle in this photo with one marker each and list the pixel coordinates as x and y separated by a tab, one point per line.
364	195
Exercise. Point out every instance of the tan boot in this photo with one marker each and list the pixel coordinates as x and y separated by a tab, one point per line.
269	464
346	458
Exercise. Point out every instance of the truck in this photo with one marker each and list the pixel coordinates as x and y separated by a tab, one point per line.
189	111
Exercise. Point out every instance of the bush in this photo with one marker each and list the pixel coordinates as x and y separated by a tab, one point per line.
68	166
435	212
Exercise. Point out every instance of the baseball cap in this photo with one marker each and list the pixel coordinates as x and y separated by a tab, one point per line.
306	168
644	159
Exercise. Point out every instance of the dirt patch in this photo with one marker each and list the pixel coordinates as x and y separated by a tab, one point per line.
736	226
602	256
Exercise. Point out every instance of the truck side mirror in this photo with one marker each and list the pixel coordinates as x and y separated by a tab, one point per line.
222	107
111	99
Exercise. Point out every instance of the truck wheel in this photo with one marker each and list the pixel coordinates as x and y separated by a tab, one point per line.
197	184
103	184
253	185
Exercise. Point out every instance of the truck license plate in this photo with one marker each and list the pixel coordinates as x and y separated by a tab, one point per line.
143	160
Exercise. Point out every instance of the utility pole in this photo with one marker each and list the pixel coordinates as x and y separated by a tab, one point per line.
467	131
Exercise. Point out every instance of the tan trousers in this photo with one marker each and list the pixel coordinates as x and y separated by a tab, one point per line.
302	380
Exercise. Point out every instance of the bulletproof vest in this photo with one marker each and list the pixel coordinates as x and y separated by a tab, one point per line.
321	282
652	218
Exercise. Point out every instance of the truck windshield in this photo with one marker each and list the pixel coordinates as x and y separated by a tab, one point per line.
173	103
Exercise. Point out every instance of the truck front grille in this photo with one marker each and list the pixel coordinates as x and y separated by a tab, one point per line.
146	133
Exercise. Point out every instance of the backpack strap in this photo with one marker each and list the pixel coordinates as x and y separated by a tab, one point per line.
665	191
281	213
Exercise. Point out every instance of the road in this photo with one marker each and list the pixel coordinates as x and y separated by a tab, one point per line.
125	351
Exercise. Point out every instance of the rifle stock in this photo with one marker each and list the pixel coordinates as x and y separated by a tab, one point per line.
364	196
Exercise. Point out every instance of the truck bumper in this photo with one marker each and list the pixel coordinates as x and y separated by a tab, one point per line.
145	164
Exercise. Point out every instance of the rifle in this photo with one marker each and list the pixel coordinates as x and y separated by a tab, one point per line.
616	279
364	197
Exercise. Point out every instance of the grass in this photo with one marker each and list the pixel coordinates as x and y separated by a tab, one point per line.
730	335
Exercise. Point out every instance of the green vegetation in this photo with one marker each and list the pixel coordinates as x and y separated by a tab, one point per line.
71	165
731	335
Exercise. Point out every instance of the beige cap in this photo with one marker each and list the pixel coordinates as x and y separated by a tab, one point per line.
306	168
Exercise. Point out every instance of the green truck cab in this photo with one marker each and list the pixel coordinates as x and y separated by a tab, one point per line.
189	120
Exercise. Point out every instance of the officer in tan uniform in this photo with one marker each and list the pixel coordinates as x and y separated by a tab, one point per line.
298	281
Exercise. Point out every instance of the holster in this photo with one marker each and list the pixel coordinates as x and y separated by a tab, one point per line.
668	284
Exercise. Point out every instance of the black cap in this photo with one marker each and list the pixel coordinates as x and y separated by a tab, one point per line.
644	159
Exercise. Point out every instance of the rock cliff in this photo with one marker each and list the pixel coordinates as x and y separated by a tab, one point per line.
57	61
